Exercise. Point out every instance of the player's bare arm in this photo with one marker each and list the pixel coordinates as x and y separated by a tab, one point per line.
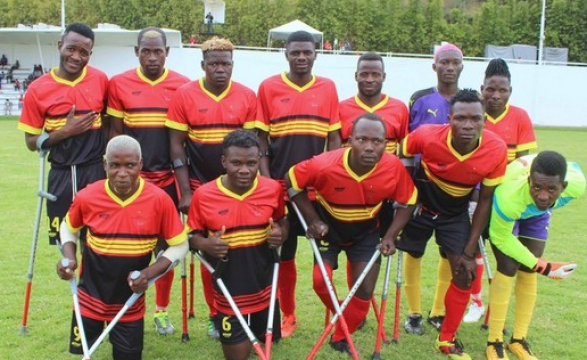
264	147
212	245
402	216
334	140
179	160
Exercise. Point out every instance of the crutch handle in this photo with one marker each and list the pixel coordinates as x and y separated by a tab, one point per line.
47	195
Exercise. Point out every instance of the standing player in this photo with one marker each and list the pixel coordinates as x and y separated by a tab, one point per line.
370	76
238	219
513	125
297	119
432	106
534	186
137	104
200	115
124	215
455	157
62	112
351	185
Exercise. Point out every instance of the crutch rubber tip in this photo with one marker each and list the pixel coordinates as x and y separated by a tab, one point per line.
387	342
484	326
191	315
376	356
23	331
185	338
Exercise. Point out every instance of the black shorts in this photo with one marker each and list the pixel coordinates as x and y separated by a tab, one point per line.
290	246
360	250
125	337
59	184
231	331
452	233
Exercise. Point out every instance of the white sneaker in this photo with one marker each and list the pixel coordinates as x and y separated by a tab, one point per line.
474	313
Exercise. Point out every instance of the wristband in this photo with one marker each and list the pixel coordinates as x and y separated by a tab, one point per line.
177	163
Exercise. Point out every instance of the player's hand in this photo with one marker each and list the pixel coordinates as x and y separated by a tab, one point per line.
387	247
184	203
140	284
555	270
468	267
77	125
215	246
317	230
66	273
274	238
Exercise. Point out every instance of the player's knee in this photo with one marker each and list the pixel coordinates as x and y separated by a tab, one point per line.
508	268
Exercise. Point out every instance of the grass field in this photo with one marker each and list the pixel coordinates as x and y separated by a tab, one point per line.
557	331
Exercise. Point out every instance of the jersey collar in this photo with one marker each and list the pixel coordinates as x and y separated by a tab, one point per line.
367	108
347	167
456	154
149	81
214	97
128	201
500	117
295	86
233	195
67	82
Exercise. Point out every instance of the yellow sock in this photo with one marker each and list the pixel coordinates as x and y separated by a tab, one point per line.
500	293
442	284
526	294
412	271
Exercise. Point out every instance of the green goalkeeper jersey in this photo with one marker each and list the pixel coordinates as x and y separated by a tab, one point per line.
512	202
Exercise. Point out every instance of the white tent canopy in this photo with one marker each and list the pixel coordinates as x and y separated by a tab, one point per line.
283	31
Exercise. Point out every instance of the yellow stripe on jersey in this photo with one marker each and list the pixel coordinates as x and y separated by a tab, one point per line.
299	127
113	112
176	125
122	246
245	238
493	182
181	237
261	125
29	129
391	146
451	189
527	146
56	124
209	136
349	214
143	120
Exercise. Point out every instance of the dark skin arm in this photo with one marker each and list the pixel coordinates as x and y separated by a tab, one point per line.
317	229
116	126
177	139
334	140
402	216
278	232
263	147
73	126
401	155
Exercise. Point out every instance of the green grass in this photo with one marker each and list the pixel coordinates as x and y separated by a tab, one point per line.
556	332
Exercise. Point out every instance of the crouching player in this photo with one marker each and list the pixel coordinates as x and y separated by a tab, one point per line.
124	215
240	218
351	185
534	185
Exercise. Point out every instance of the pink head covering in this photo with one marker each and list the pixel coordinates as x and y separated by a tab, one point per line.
447	47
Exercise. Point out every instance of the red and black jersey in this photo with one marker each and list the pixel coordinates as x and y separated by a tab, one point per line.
248	271
446	178
393	112
298	119
142	105
349	203
121	238
47	102
207	119
515	128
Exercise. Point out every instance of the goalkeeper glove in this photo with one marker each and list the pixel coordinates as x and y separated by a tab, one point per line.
555	270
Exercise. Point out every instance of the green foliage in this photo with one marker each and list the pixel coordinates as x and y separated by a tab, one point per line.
407	26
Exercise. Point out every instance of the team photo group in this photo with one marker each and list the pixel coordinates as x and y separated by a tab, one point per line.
148	166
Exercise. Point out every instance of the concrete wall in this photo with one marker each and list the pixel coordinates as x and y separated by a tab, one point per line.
553	95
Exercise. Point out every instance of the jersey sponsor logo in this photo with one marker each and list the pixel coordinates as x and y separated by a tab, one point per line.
136	93
223	212
339	189
285	100
203	110
433	112
103	215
